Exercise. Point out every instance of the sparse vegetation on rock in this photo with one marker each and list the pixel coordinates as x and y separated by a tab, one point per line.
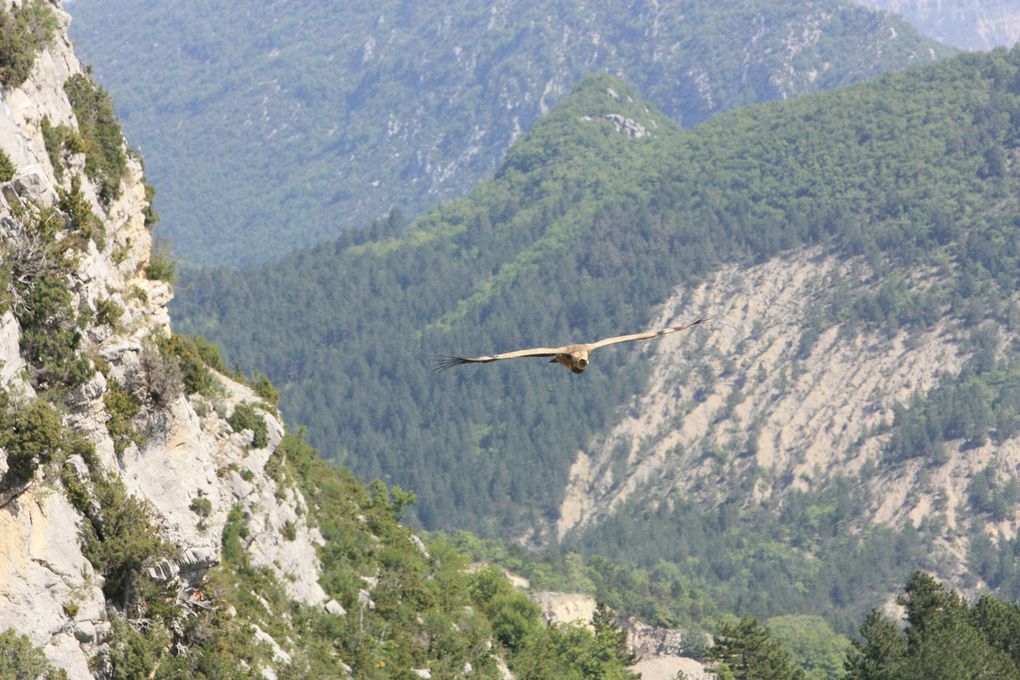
103	141
24	31
247	417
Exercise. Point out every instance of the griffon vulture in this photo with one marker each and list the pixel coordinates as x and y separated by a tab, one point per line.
574	357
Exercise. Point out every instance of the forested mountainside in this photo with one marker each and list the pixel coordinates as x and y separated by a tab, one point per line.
156	519
874	225
273	126
968	24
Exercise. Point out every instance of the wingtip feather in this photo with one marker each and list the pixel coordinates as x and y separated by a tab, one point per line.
445	361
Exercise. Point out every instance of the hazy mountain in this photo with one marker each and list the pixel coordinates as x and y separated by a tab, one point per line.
273	125
968	24
849	415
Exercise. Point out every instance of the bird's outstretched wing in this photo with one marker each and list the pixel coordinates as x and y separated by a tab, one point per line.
444	362
646	335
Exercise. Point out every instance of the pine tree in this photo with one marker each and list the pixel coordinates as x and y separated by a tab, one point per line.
746	651
610	636
881	646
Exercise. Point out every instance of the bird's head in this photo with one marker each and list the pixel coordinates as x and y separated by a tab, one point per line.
578	362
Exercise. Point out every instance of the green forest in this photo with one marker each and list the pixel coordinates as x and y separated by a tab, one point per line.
336	112
581	233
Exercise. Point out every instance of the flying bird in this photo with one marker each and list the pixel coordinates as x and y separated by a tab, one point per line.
574	357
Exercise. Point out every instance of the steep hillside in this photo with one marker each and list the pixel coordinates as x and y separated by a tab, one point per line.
880	217
968	24
156	519
278	126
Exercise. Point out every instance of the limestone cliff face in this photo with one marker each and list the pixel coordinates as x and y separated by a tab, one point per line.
188	465
747	403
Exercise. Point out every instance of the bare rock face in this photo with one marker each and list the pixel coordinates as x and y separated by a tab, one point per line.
565	607
800	410
191	468
11	362
666	668
48	590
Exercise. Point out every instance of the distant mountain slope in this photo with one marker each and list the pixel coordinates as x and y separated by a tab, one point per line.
968	24
279	125
582	232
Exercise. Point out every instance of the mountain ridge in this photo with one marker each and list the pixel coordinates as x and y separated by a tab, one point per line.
340	115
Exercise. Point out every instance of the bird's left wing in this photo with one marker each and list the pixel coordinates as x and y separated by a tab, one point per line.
646	335
445	362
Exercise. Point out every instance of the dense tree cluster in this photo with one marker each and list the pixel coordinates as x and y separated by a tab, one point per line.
751	560
945	638
942	638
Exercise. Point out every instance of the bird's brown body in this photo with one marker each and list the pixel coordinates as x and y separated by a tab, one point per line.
573	356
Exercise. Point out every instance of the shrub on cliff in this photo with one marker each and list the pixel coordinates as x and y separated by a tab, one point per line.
20	659
7	168
24	32
246	417
30	435
105	157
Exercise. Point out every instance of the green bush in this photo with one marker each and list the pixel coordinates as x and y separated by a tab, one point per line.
79	211
260	383
7	167
105	158
161	265
136	653
108	312
247	417
151	216
24	32
234	533
122	407
120	540
195	357
20	659
31	436
161	373
201	506
38	267
50	337
58	139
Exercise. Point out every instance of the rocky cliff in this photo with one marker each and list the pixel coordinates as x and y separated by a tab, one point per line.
177	454
759	396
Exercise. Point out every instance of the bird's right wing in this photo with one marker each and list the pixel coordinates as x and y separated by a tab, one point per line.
444	362
647	334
